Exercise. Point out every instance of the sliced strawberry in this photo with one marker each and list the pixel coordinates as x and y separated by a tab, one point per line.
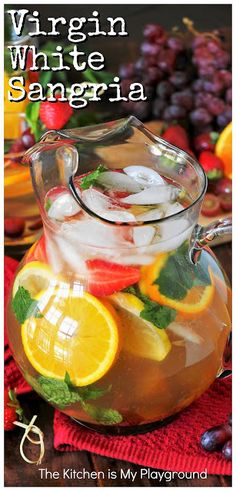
210	206
212	165
105	278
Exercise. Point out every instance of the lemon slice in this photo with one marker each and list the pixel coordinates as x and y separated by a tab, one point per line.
76	334
141	337
35	276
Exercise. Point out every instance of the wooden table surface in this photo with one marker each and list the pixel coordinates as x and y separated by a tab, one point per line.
18	473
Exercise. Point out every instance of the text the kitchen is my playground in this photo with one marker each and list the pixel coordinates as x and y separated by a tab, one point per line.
78	94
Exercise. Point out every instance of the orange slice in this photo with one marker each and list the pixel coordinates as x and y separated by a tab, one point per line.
76	334
223	149
196	300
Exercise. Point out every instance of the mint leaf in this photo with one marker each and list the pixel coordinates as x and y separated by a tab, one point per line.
91	178
24	306
103	415
62	393
32	118
48	204
57	392
179	275
160	315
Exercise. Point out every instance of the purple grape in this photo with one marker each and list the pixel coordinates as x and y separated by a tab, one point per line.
152	75
148	49
228	96
222	59
158	106
214	85
227	450
200	116
166	60
28	138
197	85
183	98
127	70
226	76
164	89
174	112
176	44
179	79
140	66
225	118
216	437
203	57
206	71
153	32
215	106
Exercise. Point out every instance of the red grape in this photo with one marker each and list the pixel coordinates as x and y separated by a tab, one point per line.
215	106
213	45
215	84
226	76
224	186
225	118
28	138
166	60
148	49
197	85
183	98
228	96
198	41
227	450
176	44
152	75
153	32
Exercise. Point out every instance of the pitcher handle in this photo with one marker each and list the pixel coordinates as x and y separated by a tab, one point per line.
201	237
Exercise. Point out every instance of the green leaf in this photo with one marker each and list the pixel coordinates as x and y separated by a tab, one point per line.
57	392
179	275
24	306
20	413
103	415
91	178
160	315
214	135
7	146
91	392
48	204
32	118
45	78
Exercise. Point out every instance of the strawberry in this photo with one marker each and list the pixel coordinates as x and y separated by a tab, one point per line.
14	227
176	135
105	278
205	141
211	164
9	418
55	114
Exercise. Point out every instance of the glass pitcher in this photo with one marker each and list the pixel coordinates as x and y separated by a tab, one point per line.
119	315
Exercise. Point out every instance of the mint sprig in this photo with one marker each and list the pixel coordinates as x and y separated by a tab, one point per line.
159	315
179	275
91	178
24	306
62	393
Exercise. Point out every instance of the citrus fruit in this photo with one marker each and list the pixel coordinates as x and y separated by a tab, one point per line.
223	149
197	299
76	334
34	277
141	337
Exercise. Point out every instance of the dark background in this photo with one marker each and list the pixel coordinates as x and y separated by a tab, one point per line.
126	48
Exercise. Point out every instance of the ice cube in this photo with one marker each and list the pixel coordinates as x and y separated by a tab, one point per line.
70	254
143	236
104	207
172	208
154	214
63	206
118	181
153	195
144	175
53	255
171	235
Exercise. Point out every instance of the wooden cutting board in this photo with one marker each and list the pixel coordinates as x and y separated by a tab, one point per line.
156	127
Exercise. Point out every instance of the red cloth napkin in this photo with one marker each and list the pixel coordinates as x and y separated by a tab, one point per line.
174	447
12	376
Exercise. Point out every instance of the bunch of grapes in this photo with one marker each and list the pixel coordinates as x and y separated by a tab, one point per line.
187	85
